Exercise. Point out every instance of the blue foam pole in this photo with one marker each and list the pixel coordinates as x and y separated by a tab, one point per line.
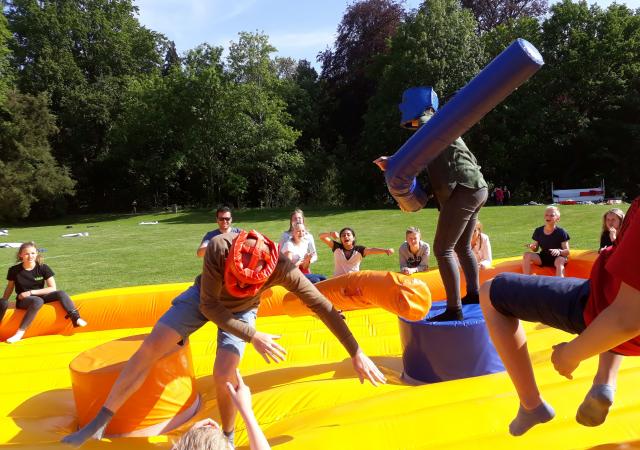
510	69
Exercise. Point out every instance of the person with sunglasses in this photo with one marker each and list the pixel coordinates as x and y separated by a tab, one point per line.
224	219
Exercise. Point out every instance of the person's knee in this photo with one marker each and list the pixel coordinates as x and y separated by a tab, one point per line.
485	294
36	304
224	367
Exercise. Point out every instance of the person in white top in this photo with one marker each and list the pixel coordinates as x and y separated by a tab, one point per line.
297	216
346	254
481	247
298	249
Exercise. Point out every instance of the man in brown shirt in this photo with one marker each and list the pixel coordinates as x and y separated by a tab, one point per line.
237	269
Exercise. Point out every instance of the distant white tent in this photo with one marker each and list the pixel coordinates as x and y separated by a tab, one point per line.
578	195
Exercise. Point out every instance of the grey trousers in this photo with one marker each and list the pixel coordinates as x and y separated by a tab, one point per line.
457	220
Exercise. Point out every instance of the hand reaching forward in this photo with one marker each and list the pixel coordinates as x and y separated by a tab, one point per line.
266	345
366	369
240	396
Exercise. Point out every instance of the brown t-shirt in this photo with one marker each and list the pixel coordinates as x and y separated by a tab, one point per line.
217	304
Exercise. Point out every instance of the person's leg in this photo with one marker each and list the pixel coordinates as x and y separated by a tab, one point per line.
527	259
179	322
161	341
224	369
4	305
510	341
455	215
557	302
559	263
32	304
228	355
594	408
67	305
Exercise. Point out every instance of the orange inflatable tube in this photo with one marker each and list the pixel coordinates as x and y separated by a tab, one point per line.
142	306
579	266
400	294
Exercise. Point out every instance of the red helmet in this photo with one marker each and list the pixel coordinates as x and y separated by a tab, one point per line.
261	250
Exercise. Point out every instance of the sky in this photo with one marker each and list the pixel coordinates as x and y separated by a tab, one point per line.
299	29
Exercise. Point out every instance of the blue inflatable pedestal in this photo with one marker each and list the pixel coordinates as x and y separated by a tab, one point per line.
442	351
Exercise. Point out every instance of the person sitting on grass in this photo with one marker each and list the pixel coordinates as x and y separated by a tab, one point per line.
603	310
347	256
553	243
237	269
206	434
34	285
414	253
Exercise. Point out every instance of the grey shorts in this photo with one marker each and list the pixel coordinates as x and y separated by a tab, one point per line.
557	302
185	318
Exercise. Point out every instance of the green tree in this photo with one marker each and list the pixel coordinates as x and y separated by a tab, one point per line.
30	178
263	153
82	54
438	47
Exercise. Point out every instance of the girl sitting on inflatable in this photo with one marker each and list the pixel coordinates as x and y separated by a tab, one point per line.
35	286
346	254
299	250
611	222
481	247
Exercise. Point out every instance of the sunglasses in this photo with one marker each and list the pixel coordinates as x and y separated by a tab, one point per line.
226	219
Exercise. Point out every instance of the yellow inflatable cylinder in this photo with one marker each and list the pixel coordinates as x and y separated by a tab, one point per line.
400	294
166	399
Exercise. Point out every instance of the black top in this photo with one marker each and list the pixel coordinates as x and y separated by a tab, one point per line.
605	239
549	241
348	253
28	280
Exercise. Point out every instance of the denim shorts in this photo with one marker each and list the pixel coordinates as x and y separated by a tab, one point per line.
185	318
557	302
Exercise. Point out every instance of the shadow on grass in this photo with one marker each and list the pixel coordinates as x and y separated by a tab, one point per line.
254	216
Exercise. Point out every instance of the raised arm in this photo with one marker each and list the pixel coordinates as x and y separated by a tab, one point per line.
328	238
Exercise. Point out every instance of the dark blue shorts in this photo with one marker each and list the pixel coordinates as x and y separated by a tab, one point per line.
557	302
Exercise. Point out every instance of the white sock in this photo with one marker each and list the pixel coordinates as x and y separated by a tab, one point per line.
81	322
16	337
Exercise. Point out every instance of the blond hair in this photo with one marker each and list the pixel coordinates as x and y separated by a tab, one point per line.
411	230
554	209
616	211
203	438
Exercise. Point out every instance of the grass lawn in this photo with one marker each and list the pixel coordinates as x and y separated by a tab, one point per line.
119	252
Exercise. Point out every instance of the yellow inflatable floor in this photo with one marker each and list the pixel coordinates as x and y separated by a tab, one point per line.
313	401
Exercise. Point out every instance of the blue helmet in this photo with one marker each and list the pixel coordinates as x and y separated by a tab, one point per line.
415	101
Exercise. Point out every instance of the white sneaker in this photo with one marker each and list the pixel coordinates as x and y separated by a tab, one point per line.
81	322
16	337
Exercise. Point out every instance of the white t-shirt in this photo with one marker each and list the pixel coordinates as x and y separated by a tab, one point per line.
343	265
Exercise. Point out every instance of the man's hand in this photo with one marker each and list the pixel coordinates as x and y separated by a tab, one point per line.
266	345
366	369
562	361
240	396
382	162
